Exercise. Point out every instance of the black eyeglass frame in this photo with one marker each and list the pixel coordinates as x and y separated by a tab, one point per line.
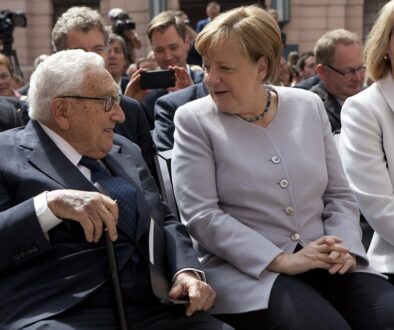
108	100
349	73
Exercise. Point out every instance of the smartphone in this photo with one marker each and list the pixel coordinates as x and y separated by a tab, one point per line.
157	79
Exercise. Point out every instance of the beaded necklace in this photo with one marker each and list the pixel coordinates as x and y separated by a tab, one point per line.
261	115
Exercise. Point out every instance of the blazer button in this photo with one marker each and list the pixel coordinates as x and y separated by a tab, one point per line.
284	183
289	210
275	159
295	237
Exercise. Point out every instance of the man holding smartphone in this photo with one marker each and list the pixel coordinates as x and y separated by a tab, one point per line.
170	44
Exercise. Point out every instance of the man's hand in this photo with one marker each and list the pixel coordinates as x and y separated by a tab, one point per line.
182	78
325	253
200	294
133	89
91	209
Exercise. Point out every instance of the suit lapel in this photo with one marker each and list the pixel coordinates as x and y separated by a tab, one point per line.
47	158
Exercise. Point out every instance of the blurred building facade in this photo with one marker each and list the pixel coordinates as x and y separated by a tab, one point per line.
304	20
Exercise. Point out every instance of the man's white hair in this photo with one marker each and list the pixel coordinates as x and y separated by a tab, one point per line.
60	74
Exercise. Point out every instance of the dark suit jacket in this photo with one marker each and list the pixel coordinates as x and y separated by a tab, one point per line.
148	102
308	83
40	278
165	107
201	24
9	118
332	106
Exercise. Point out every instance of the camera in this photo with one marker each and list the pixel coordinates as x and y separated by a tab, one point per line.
120	25
9	20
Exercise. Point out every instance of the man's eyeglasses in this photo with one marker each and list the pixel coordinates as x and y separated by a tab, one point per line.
108	100
348	73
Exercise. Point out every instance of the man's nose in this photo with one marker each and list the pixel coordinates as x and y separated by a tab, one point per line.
117	113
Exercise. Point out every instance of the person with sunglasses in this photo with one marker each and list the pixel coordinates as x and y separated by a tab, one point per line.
339	64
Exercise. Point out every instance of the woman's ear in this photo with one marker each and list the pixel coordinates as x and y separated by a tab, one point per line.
60	113
262	68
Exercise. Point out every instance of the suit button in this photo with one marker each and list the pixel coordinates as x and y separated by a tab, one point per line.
275	159
289	210
284	183
295	237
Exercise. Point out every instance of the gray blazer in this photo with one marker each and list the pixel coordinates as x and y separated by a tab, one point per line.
248	193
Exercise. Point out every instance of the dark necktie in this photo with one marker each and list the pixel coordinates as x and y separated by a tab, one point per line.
119	189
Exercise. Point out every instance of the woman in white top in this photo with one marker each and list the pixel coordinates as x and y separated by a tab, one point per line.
367	142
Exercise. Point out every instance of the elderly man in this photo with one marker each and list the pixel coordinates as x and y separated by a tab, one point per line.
54	272
170	44
339	64
83	28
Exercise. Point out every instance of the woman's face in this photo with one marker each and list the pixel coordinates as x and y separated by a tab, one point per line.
234	82
115	61
5	81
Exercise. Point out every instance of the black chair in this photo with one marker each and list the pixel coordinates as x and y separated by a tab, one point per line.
163	168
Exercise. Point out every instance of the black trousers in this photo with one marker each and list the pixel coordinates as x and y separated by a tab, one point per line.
318	300
143	309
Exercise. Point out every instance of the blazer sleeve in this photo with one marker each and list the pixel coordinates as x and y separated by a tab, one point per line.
21	236
179	247
364	161
340	215
163	134
193	171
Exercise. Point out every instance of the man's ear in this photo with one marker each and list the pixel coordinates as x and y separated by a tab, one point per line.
187	40
60	113
262	65
321	71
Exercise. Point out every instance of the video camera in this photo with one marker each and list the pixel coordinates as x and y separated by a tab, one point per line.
122	23
8	21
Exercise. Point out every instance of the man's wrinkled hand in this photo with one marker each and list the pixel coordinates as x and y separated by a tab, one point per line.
93	211
201	296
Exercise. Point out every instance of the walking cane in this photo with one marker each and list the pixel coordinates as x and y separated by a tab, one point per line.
113	268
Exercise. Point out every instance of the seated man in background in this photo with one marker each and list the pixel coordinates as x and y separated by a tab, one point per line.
83	28
116	60
165	107
170	44
212	10
54	271
306	65
339	64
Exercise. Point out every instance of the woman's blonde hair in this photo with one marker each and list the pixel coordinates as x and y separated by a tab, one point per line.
251	28
377	44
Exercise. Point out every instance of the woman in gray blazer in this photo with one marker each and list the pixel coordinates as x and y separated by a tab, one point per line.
262	191
367	142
